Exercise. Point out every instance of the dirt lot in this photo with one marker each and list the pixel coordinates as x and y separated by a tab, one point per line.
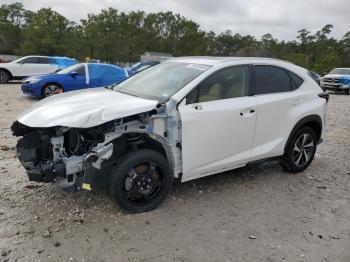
256	213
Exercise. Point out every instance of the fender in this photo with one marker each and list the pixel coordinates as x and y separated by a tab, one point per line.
313	120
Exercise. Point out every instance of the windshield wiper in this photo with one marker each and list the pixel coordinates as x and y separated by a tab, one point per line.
126	93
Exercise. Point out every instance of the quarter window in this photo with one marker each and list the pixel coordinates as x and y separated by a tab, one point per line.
296	80
271	79
227	83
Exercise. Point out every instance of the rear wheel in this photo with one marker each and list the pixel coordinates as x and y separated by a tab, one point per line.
300	150
347	91
141	181
4	76
50	90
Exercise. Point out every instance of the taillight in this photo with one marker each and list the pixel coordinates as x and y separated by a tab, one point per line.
324	95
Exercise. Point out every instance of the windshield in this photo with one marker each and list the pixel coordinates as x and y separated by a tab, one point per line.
135	65
68	69
340	71
161	81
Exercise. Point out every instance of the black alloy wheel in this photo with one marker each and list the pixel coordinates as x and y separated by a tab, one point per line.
141	181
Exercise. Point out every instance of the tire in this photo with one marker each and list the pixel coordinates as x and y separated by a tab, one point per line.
50	90
4	76
347	91
141	180
300	150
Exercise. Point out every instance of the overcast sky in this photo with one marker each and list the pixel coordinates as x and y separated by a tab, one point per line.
281	18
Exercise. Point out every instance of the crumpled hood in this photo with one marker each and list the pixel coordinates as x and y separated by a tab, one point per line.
84	109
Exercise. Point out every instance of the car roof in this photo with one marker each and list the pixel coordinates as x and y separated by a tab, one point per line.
212	60
34	56
45	56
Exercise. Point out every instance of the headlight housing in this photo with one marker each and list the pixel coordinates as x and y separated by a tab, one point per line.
31	80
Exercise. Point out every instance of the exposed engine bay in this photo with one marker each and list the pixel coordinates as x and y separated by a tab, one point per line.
82	158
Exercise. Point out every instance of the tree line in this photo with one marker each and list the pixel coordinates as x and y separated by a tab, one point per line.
118	37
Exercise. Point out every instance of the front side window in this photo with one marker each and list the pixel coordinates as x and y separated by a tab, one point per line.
227	83
70	69
161	81
271	79
30	60
80	71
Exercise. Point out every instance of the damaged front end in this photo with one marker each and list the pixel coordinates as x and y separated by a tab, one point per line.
76	158
57	154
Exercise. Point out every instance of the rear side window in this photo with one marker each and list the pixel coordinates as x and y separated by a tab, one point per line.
271	79
43	60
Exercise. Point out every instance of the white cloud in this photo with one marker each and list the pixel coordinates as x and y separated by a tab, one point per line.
281	18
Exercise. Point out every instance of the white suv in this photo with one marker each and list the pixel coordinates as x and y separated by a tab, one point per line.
31	65
184	118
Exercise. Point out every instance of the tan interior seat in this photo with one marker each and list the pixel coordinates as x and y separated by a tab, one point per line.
213	94
235	90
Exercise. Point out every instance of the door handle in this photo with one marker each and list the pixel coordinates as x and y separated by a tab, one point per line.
297	102
197	107
249	111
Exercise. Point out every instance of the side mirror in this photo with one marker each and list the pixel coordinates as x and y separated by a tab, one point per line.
21	62
73	74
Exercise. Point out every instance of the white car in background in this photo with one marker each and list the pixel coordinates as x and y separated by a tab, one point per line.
32	65
185	118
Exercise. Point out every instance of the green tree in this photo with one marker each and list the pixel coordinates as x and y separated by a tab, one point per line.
12	18
46	33
119	37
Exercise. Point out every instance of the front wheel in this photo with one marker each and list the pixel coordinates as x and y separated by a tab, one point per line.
141	180
300	150
50	90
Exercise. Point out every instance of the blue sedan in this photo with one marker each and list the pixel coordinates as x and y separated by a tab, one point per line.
140	66
79	76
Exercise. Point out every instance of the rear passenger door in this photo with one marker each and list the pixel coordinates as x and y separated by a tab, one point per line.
97	73
46	65
277	106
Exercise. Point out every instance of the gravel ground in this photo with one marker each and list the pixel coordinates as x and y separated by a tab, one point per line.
256	213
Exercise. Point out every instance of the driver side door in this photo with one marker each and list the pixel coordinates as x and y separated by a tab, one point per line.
218	121
76	81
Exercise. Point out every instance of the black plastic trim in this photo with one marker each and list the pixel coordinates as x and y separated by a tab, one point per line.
304	121
264	160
